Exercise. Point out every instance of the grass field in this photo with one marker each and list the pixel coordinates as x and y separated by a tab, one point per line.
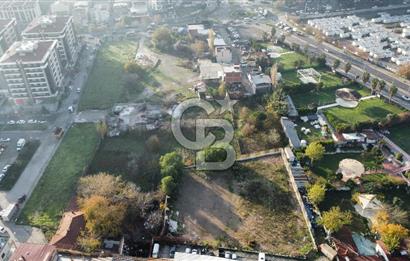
368	110
288	60
250	206
58	183
23	158
105	83
400	136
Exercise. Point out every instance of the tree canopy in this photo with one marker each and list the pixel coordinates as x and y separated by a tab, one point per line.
162	39
315	151
316	193
334	219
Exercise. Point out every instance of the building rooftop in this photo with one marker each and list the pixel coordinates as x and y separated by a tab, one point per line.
4	23
70	227
33	252
16	3
28	51
47	24
260	79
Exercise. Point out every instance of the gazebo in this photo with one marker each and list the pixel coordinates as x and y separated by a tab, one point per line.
347	98
350	169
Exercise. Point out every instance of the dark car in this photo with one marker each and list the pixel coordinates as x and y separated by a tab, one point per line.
22	199
172	252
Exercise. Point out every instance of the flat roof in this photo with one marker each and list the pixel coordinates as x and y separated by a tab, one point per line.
33	252
189	257
47	24
36	51
16	3
290	132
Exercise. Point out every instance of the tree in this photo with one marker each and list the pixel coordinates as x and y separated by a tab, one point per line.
162	39
374	84
222	90
334	219
199	48
321	60
381	86
133	67
88	243
168	185
392	234
273	31
315	151
101	184
319	86
103	219
316	193
102	128
366	77
348	67
336	64
171	165
392	91
404	71
153	143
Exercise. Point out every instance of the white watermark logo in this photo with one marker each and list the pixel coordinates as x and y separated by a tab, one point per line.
202	140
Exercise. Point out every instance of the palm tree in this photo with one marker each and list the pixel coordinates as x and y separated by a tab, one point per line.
336	64
365	77
381	86
392	91
348	66
375	83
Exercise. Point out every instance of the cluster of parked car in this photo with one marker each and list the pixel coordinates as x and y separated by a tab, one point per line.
31	121
309	207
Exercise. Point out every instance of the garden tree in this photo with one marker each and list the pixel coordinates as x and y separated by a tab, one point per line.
392	234
211	37
348	67
315	151
374	84
214	154
45	223
365	77
277	102
162	39
133	67
168	185
336	64
153	143
334	219
381	86
392	91
101	184
321	60
102	128
222	89
404	71
88	243
103	218
319	86
198	48
273	31
171	165
316	193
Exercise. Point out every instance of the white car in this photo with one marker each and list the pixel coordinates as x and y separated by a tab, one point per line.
4	139
6	168
405	97
71	109
78	90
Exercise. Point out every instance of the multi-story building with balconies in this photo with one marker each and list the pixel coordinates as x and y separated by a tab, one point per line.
32	70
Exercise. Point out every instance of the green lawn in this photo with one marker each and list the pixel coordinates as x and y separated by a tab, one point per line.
105	83
400	135
58	183
368	110
288	60
23	158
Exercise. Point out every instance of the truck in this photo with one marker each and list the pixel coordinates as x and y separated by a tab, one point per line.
20	144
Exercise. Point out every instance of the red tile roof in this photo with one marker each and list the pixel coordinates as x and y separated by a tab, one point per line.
70	228
33	252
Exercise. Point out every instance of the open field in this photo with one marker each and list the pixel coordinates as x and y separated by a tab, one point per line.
105	83
400	135
243	207
288	60
23	158
58	183
367	110
132	158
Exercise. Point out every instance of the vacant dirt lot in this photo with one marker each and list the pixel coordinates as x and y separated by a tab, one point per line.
250	206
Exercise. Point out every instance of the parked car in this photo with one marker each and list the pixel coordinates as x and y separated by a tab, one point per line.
5	139
195	252
405	97
155	250
187	250
78	90
71	109
2	229
22	199
172	251
6	168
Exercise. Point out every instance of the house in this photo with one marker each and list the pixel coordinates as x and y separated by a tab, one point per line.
401	254
223	54
232	74
209	71
260	83
35	252
70	227
368	205
197	31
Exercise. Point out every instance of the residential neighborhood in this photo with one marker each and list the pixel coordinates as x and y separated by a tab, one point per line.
204	130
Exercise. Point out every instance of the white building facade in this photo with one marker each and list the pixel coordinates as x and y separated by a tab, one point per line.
24	11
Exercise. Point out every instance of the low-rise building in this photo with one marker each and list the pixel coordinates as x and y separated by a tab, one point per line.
60	28
32	70
8	34
232	74
223	54
260	83
6	246
34	252
70	228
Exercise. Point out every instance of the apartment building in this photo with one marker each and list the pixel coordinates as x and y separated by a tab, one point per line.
23	10
8	34
32	70
58	28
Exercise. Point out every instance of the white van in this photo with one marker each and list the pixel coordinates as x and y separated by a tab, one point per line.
155	250
20	144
